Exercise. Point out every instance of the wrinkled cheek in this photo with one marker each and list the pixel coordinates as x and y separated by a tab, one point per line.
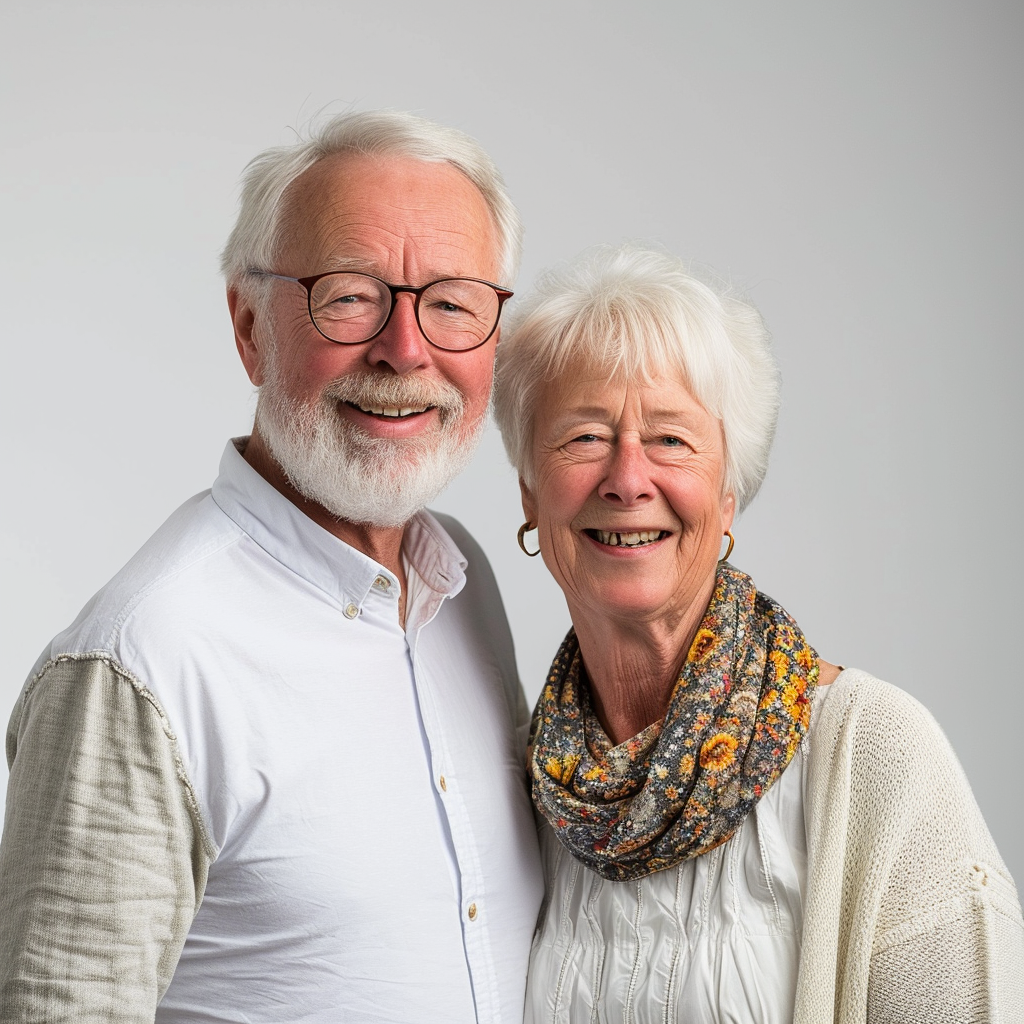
558	558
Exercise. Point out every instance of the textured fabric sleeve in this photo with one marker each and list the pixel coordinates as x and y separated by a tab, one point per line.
104	856
960	964
949	947
911	915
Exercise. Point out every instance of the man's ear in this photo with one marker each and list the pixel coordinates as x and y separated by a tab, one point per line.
243	318
529	505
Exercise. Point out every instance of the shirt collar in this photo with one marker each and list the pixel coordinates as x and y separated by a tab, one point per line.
338	569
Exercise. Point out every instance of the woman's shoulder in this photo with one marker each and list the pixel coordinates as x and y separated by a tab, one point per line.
882	754
877	713
887	797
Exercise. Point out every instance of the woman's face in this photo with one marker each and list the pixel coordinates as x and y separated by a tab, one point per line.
628	498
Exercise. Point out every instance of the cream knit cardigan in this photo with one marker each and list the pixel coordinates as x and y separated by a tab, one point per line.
910	915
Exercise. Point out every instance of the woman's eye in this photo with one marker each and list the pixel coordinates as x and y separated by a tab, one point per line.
586	437
673	442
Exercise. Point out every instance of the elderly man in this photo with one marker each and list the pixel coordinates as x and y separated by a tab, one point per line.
271	772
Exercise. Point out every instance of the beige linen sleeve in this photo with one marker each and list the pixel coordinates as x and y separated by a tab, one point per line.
104	856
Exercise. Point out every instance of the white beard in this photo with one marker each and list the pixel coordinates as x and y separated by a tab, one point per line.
364	479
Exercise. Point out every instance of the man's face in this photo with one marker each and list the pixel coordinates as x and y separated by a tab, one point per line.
406	222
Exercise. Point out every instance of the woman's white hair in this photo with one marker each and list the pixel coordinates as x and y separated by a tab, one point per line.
640	314
254	241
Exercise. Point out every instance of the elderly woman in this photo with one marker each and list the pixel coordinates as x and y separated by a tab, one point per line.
734	829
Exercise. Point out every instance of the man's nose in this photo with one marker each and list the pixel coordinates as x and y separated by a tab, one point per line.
401	345
628	480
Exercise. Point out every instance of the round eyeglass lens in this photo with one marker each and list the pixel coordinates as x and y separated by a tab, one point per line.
458	313
454	314
349	308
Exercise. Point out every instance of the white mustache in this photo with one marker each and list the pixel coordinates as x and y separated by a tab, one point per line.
381	389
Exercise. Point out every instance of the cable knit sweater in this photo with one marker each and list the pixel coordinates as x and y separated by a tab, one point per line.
911	915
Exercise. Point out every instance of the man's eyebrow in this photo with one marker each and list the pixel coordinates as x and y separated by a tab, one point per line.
347	263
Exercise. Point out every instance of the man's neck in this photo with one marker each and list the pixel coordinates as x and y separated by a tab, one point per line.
381	543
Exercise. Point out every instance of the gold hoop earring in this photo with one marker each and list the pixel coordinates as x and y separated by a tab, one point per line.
523	530
728	550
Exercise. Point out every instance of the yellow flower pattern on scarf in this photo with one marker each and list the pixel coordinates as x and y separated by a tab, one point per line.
736	716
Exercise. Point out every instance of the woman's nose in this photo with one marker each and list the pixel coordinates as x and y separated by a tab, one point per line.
628	480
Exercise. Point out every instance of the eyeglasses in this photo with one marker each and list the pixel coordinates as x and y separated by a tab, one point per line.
456	313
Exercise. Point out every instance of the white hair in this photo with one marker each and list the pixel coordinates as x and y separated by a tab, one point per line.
640	314
256	237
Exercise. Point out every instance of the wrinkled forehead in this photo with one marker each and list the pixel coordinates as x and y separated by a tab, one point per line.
365	212
586	383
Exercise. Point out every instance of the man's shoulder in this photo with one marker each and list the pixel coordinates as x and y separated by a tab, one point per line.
480	578
193	534
459	535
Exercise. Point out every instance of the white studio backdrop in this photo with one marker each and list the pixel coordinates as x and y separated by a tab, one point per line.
856	171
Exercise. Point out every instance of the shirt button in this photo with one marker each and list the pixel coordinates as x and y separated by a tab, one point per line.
351	611
382	583
471	913
443	784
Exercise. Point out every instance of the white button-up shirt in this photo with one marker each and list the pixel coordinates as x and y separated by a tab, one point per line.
362	786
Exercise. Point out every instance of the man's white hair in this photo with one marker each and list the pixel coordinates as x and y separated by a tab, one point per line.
640	314
256	237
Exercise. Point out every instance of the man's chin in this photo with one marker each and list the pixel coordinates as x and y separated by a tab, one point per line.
382	482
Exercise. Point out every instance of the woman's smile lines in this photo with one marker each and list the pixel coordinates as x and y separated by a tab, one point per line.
626	540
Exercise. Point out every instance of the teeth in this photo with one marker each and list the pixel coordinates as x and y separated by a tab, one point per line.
628	540
393	411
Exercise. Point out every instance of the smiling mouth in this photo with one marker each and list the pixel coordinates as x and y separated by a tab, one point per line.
391	412
626	540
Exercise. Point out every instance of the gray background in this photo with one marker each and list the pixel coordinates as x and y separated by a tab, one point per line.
857	171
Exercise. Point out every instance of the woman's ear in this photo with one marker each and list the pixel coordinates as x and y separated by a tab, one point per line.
529	505
728	510
243	318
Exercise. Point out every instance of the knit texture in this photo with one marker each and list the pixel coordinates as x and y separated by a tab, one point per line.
911	914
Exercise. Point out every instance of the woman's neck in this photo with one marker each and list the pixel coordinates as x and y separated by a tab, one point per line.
632	667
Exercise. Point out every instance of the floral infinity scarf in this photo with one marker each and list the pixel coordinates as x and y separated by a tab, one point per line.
680	788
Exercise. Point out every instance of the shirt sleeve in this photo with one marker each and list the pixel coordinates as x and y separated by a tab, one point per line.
104	856
948	944
964	961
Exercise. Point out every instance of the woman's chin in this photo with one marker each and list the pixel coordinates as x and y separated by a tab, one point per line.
629	602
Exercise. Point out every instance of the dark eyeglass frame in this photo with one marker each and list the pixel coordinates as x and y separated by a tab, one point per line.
308	282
